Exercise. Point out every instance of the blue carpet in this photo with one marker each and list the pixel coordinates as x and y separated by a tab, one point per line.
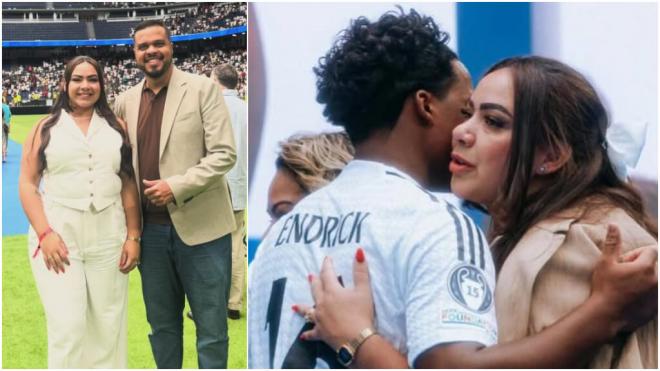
14	220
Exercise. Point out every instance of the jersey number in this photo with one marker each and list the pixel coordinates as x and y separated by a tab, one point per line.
302	354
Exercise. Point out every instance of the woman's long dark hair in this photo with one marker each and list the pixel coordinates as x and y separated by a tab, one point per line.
102	108
556	109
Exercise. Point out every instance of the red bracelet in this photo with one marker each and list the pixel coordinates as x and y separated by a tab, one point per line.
43	235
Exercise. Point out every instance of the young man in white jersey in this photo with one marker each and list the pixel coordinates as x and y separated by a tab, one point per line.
398	90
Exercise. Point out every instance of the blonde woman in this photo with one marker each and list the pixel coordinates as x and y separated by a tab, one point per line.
306	163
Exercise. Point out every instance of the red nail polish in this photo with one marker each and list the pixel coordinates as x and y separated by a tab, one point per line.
294	308
359	255
310	278
302	337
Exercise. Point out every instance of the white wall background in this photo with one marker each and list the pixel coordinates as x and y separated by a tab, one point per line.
616	46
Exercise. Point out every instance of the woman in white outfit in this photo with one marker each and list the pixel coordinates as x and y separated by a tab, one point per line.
84	221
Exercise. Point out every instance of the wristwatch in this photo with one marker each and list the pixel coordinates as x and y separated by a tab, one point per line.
346	352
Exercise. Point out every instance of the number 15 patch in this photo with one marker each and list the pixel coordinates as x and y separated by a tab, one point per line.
469	287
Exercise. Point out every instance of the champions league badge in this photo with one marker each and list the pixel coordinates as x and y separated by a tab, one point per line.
469	287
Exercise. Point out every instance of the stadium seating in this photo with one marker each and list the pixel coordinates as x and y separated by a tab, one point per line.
73	5
114	30
31	76
77	5
181	18
127	5
44	31
23	5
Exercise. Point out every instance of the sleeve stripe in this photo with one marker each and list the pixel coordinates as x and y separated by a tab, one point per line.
473	232
469	226
459	231
482	261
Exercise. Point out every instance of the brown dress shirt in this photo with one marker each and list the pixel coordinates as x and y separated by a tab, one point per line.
150	121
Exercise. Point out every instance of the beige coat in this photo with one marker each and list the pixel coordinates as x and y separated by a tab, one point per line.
548	274
196	151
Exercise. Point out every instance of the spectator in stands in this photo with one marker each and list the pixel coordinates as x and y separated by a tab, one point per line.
120	73
227	78
6	121
85	223
208	17
186	205
306	163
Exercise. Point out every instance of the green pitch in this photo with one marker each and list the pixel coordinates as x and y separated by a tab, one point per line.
21	125
24	343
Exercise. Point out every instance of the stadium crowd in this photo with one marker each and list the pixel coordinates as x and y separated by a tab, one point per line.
27	83
24	83
208	17
81	5
101	5
122	74
127	5
197	18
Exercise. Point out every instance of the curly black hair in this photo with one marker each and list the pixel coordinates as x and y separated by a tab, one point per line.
374	66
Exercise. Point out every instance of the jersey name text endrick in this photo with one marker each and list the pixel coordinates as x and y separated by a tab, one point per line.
325	230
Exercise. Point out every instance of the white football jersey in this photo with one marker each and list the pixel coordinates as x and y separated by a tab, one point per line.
431	270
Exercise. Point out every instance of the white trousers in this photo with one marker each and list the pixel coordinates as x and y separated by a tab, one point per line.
85	306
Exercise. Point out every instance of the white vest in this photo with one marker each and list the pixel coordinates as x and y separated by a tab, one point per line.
83	171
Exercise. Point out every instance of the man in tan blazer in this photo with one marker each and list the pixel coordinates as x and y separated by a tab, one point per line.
183	145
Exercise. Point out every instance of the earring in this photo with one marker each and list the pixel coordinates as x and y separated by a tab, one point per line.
542	169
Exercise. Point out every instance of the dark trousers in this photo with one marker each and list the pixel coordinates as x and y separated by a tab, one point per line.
171	271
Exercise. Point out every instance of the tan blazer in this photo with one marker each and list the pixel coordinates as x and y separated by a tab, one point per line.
196	151
548	274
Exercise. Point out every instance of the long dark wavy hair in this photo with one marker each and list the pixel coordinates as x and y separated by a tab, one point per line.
102	109
556	108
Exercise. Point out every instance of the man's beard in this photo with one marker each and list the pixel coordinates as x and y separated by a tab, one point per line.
154	74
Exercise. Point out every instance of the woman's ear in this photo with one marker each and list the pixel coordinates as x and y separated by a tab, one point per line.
548	159
423	106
